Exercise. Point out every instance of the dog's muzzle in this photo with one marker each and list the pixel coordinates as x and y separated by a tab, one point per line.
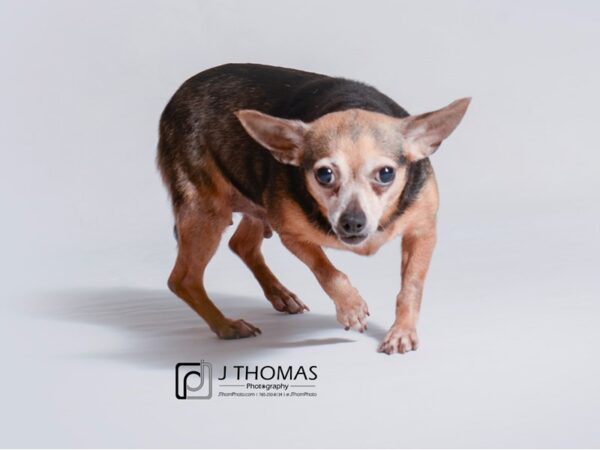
351	227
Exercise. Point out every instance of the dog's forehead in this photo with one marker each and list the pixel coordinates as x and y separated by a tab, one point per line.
355	134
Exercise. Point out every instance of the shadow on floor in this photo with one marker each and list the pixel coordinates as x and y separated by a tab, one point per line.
164	331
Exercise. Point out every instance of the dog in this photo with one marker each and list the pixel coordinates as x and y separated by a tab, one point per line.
323	162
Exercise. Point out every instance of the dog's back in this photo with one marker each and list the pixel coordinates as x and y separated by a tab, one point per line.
199	120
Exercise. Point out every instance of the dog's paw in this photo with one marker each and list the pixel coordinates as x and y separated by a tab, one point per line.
399	340
237	329
285	301
352	312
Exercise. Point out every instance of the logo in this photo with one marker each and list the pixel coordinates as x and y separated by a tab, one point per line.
193	380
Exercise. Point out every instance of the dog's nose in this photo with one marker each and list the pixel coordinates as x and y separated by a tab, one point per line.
353	221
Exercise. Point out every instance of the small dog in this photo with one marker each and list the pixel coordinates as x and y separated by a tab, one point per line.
323	161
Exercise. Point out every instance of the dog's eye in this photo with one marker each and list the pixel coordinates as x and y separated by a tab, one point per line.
386	175
324	175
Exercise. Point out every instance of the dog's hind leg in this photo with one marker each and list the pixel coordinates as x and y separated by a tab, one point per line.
246	242
199	230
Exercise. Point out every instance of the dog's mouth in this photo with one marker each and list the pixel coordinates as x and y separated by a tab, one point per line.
353	239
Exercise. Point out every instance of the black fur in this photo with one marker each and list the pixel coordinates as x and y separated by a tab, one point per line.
200	117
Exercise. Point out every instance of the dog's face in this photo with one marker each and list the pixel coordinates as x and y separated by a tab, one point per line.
355	170
354	161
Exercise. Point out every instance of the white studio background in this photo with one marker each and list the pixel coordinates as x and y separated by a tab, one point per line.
509	328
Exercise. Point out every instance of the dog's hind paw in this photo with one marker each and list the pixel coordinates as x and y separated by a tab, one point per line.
285	301
237	329
399	340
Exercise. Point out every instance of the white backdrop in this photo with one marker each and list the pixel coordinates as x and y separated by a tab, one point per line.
89	334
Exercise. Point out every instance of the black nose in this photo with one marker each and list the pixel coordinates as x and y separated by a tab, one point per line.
353	221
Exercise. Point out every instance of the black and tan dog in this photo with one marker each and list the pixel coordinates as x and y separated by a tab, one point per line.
323	161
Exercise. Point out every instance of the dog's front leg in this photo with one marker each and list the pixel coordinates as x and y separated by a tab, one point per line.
417	248
351	309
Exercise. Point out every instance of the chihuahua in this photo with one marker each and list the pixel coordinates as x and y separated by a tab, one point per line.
323	161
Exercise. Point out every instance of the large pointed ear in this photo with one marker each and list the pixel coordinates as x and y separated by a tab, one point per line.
424	133
285	138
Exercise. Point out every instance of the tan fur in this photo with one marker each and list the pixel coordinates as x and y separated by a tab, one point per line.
246	243
356	144
419	236
199	223
294	223
352	310
416	225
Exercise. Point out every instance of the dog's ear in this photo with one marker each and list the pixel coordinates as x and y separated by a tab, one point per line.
284	138
424	133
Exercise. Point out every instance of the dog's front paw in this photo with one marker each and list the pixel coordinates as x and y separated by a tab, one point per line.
399	340
237	329
352	312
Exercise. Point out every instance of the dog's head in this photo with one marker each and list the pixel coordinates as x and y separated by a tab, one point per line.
354	161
